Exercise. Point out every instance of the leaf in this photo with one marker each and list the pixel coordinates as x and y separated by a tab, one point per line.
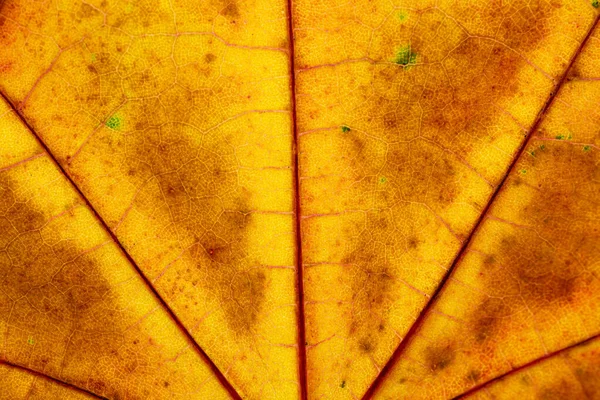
574	375
308	200
73	307
24	384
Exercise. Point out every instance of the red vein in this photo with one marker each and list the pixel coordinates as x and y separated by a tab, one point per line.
218	374
429	305
298	223
23	161
55	380
527	365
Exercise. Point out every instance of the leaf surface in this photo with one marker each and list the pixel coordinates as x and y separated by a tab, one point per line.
527	283
72	306
272	200
19	384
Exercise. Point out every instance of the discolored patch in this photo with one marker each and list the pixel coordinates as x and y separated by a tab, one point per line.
198	184
487	318
59	299
209	58
473	376
231	10
559	390
365	345
372	286
405	55
114	122
439	357
488	66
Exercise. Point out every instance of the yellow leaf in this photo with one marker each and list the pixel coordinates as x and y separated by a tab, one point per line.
20	384
316	200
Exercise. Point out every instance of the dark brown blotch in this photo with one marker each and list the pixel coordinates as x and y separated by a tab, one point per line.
231	9
198	184
366	345
209	58
487	318
439	357
473	376
372	282
60	296
559	390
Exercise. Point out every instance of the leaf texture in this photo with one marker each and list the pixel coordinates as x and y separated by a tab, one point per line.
316	200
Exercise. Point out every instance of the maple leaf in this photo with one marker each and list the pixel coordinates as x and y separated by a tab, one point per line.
280	200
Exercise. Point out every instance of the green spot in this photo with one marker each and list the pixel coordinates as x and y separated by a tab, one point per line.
405	56
595	3
568	136
30	340
532	153
402	15
382	179
523	171
586	148
128	8
93	57
542	147
343	385
345	128
114	122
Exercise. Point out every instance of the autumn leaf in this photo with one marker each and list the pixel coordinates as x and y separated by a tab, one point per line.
280	200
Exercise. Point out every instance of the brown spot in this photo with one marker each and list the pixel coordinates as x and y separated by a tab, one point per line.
231	10
559	390
587	374
489	259
6	66
439	357
534	271
365	345
474	376
86	11
209	58
487	318
372	283
413	242
96	386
